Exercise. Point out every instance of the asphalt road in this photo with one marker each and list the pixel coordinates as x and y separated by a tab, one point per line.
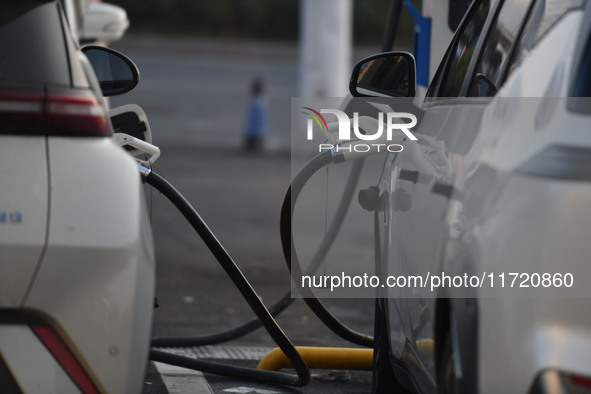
196	95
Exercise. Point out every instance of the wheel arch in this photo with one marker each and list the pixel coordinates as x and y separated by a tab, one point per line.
458	318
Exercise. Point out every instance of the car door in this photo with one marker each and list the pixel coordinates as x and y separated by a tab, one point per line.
419	182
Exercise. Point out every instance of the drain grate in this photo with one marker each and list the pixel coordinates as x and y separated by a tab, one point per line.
220	352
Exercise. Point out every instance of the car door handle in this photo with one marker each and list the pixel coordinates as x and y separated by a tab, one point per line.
409	175
444	189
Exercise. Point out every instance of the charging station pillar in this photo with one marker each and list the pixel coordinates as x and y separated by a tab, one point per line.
422	41
325	47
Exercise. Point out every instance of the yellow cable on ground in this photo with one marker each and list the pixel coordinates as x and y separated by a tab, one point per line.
426	348
321	358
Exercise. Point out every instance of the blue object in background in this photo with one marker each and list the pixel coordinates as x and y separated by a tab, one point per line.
256	122
256	126
422	43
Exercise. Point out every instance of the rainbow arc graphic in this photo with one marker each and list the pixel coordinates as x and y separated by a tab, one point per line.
316	115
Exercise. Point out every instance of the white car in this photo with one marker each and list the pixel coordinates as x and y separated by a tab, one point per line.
76	252
95	21
497	187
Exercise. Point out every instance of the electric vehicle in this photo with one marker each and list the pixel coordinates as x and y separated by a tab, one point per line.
76	250
497	183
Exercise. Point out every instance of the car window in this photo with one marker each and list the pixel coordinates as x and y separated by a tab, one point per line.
544	15
581	79
455	13
449	82
32	47
488	73
582	84
10	10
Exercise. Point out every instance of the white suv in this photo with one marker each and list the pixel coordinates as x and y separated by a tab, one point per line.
498	186
76	252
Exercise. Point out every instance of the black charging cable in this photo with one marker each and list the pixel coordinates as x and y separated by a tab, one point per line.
264	316
314	304
249	294
286	300
290	254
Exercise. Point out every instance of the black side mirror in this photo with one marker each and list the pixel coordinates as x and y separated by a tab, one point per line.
116	73
389	74
482	87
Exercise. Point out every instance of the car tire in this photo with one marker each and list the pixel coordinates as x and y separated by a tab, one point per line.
384	378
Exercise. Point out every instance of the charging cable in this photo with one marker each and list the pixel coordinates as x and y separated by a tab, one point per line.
249	294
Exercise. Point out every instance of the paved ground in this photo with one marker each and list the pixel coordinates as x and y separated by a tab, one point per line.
167	378
239	195
195	96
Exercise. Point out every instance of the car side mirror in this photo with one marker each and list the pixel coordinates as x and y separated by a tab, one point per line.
389	74
116	73
103	22
482	86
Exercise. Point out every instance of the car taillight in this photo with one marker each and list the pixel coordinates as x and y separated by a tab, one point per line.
65	358
73	113
553	381
582	382
21	113
79	114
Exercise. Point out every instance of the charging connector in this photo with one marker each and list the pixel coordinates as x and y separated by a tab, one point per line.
142	147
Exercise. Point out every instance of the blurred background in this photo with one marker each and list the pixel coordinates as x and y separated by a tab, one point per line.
201	59
204	66
265	20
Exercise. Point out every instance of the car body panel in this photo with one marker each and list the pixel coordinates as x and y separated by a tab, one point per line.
481	149
532	334
23	214
18	339
97	277
418	219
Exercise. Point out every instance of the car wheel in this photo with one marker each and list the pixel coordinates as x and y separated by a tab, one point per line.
446	374
384	379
